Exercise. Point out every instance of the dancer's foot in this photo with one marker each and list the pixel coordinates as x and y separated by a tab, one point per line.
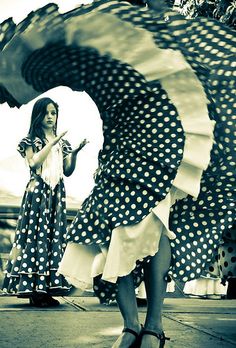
42	300
152	339
52	302
129	338
38	300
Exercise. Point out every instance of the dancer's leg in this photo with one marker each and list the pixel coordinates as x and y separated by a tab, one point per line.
127	303
154	274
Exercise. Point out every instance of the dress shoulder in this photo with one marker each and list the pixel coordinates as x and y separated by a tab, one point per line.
36	144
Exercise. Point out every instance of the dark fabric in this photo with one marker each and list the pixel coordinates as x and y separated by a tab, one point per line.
39	241
143	135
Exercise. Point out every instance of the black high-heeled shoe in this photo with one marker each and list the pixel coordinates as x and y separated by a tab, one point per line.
136	343
38	300
161	337
43	300
52	302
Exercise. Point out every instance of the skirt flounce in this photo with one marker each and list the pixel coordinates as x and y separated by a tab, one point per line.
164	89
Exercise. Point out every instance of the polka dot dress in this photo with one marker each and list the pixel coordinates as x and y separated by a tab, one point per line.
161	85
225	257
40	236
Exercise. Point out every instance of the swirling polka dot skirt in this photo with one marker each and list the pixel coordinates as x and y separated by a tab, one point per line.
165	91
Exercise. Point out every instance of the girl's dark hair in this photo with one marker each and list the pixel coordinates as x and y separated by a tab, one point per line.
37	116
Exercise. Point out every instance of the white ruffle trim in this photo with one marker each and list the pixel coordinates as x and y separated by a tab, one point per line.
204	287
52	168
128	244
135	242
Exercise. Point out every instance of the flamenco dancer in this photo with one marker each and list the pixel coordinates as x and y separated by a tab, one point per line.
165	188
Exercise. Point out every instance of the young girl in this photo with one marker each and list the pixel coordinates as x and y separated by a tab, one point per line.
40	233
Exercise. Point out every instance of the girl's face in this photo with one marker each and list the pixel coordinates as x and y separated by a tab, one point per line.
50	118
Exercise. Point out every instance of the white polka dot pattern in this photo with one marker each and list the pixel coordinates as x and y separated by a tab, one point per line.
40	237
143	134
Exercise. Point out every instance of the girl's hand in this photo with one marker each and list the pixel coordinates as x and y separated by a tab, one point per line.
58	138
81	145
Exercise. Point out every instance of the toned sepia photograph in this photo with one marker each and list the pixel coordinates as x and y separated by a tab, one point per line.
117	173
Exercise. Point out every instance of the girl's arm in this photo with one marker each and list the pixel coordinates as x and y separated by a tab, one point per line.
70	160
36	160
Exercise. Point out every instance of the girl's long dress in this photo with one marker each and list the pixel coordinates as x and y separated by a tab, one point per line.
41	228
164	87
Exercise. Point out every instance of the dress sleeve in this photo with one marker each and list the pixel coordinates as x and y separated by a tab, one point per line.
22	146
66	148
36	144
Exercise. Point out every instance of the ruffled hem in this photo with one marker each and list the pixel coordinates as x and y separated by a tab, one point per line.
173	75
77	264
131	243
141	291
204	287
25	284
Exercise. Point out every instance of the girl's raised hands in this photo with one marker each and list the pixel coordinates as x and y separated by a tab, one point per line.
58	138
70	161
81	145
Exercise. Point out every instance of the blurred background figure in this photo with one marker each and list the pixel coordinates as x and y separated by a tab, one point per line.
208	288
222	10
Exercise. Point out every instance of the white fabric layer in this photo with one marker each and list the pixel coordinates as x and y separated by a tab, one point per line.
205	287
188	96
135	242
52	168
77	263
141	291
142	57
128	244
118	260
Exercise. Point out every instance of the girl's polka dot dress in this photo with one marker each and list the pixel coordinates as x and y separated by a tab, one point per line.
40	235
165	91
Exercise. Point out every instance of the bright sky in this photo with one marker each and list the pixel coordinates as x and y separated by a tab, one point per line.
77	114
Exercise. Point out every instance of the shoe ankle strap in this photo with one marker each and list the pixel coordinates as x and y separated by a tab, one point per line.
126	329
160	336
